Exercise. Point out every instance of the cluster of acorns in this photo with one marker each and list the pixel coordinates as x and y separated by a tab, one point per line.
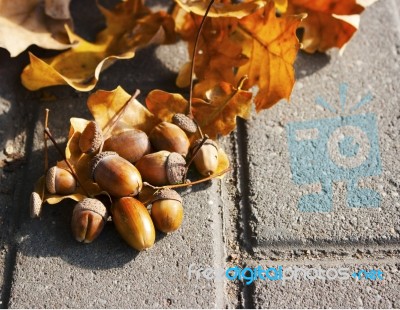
123	162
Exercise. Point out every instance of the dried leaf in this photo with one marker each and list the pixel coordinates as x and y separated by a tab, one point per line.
223	162
26	22
105	107
329	23
130	26
54	199
216	115
221	9
164	105
259	45
273	47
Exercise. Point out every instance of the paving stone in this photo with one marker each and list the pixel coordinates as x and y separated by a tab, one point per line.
324	169
330	285
53	270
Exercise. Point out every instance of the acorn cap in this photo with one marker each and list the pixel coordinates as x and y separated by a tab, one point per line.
208	142
91	138
94	205
35	205
184	122
175	167
98	158
166	194
51	180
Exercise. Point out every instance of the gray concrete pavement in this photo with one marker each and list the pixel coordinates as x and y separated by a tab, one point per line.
276	208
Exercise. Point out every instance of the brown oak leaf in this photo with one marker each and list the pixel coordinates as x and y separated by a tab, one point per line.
27	22
216	113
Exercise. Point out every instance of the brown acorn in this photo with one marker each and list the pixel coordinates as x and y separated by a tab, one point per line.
91	138
184	122
167	210
162	168
88	219
116	175
169	137
131	144
133	223
206	159
60	181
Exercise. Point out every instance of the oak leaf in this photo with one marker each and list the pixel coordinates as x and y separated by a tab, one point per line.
215	114
130	26
271	47
329	23
259	45
27	22
106	106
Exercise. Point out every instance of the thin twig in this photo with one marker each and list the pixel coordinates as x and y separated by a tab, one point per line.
189	109
120	113
46	154
48	133
189	183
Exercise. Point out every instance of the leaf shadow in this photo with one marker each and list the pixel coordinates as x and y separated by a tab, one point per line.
307	64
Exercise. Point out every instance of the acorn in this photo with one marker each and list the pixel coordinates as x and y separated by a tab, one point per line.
116	175
88	219
184	122
133	223
206	159
131	144
60	181
169	137
162	168
167	210
91	138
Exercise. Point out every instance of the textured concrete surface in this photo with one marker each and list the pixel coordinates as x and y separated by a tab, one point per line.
250	218
285	167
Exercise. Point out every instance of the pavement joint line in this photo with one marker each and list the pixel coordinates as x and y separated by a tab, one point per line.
243	192
20	201
218	240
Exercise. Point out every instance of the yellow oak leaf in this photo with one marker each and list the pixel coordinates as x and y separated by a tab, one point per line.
130	26
271	46
27	22
329	23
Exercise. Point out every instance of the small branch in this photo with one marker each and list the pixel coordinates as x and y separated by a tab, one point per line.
50	136
189	109
189	183
111	124
46	154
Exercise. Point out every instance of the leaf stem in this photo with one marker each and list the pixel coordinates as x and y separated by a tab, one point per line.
189	109
50	136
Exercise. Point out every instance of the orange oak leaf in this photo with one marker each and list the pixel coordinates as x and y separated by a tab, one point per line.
329	23
271	46
130	26
259	45
223	9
